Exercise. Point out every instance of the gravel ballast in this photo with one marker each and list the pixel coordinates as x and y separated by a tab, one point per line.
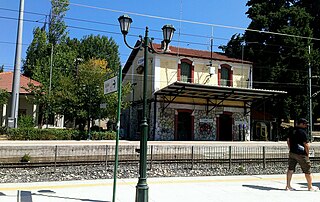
92	172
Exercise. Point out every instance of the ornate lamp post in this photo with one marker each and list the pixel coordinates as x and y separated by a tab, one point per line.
146	42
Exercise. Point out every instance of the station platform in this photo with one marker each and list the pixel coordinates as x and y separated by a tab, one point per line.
247	188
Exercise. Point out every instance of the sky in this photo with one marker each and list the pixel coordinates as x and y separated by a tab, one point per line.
195	22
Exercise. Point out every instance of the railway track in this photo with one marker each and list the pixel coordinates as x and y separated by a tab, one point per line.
149	162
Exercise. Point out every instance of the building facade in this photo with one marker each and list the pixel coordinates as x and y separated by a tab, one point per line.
192	95
25	106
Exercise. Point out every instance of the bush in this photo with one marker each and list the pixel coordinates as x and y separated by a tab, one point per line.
56	134
25	121
106	135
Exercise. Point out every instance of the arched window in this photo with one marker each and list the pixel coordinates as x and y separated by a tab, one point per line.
185	71
225	75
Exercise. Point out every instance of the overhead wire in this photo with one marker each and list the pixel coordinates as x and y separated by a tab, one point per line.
110	24
144	15
193	22
116	33
102	31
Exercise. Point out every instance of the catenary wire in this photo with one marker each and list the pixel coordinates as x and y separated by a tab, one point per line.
192	22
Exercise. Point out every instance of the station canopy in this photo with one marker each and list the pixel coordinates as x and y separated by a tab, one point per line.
183	89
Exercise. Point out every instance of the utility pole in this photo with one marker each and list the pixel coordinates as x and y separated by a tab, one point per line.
13	118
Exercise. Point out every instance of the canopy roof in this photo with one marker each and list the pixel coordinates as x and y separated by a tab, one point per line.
182	89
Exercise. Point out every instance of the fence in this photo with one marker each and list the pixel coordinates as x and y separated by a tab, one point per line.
157	154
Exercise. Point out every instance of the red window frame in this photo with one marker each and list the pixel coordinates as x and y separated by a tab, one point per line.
192	69
230	74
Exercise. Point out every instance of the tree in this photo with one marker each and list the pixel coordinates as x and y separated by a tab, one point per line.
313	8
280	61
70	69
57	27
81	96
37	55
234	47
100	47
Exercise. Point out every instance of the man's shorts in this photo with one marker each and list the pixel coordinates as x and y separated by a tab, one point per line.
303	161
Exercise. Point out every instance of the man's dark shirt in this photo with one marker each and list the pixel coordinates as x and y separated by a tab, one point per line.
297	136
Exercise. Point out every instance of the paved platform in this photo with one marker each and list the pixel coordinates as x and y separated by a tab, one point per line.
262	188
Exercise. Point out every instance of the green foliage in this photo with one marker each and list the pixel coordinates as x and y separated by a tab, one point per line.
3	130
107	135
234	47
103	48
25	121
57	29
241	168
281	62
79	69
25	158
55	134
4	96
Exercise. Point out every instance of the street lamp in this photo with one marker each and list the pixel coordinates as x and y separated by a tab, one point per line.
146	42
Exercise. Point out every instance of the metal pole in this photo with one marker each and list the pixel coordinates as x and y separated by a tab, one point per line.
117	137
264	156
310	101
142	186
89	112
16	77
55	157
50	84
50	76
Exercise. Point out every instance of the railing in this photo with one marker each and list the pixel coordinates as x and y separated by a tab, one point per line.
157	154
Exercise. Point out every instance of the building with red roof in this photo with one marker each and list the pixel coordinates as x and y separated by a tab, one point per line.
193	95
25	105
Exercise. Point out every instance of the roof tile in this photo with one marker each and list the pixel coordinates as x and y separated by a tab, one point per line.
6	79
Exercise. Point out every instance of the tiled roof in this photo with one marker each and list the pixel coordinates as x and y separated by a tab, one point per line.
185	52
173	50
6	79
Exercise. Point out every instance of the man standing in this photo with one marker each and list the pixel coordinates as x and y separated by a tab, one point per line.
299	153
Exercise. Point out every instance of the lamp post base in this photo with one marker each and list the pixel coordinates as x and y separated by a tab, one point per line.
142	191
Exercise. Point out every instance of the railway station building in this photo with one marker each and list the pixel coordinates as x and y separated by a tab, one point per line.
195	95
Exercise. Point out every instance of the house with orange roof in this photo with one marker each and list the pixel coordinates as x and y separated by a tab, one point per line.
194	95
25	106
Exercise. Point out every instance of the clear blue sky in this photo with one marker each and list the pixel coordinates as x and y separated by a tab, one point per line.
144	13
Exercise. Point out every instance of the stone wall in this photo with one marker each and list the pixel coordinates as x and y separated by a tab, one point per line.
165	124
204	130
163	127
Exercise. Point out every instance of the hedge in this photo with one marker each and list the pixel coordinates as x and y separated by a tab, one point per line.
56	134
